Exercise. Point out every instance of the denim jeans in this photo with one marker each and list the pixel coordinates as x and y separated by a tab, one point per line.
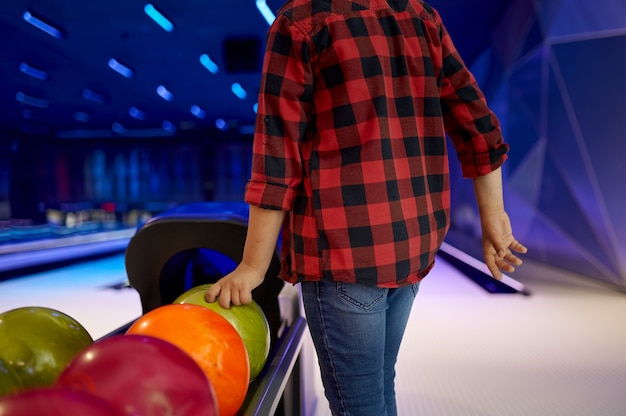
357	331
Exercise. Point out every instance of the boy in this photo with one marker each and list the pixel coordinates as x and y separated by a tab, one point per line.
350	161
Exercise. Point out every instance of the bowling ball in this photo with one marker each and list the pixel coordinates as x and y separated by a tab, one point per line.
10	381
142	375
210	340
249	320
52	401
38	343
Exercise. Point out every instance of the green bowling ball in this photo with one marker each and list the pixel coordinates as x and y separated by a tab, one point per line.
37	343
10	381
249	321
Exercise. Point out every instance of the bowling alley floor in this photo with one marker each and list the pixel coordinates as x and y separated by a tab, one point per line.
560	351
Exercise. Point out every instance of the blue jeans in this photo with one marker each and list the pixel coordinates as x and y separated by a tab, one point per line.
357	331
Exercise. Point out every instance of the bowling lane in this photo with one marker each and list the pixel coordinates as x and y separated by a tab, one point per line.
92	292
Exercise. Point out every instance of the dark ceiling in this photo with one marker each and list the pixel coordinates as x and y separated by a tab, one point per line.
64	86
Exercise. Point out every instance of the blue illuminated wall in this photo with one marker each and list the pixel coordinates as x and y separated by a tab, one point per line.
555	73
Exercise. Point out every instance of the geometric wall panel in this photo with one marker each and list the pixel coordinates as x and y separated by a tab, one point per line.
558	84
576	17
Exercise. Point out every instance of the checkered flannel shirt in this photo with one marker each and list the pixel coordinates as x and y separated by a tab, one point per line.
350	138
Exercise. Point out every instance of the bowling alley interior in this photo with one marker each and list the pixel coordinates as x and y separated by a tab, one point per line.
126	133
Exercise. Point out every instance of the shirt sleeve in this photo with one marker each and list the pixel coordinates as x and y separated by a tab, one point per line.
282	118
473	128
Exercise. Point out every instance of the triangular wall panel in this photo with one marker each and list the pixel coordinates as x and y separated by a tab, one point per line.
557	81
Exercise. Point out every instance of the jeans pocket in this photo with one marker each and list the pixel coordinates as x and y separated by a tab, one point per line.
363	297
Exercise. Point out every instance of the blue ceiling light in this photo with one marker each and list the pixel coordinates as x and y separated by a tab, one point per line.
246	129
221	124
41	25
238	90
158	17
120	68
137	114
255	108
118	128
82	117
265	10
33	72
168	126
164	93
206	62
198	112
30	100
94	96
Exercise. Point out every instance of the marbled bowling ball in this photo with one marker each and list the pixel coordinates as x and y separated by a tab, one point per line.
249	320
142	375
210	340
53	401
38	342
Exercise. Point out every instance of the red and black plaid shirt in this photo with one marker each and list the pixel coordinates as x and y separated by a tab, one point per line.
350	137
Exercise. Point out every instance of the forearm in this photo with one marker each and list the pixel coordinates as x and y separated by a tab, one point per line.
489	195
263	228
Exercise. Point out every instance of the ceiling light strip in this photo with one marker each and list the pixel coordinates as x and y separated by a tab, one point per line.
41	25
208	63
120	68
158	17
265	10
33	72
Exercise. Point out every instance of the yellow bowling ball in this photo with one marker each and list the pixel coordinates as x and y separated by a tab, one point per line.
37	343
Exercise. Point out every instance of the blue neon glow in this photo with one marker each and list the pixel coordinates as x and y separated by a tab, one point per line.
30	100
158	17
136	113
211	66
221	124
92	95
246	129
118	128
33	72
41	25
255	108
168	126
238	90
120	68
266	12
198	112
82	117
164	93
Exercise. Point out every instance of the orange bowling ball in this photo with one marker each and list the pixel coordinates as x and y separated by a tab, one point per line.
249	320
211	341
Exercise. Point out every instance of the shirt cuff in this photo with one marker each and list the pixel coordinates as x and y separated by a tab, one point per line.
269	195
481	164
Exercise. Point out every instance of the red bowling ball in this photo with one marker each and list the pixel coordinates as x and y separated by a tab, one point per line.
142	375
53	401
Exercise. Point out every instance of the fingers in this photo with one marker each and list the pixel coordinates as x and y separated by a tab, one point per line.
221	294
213	292
225	299
245	297
502	259
493	268
518	247
227	293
